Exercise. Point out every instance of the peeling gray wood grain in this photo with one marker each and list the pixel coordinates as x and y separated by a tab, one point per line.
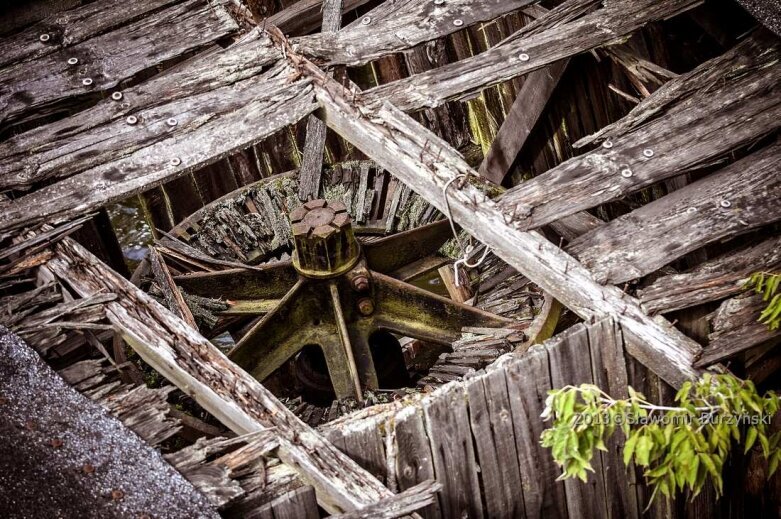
414	463
305	16
732	201
209	127
396	26
102	133
492	428
743	105
464	78
736	329
30	89
712	280
447	425
570	364
426	163
528	382
67	28
198	368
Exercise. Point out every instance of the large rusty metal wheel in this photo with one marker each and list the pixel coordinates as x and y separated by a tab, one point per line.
330	308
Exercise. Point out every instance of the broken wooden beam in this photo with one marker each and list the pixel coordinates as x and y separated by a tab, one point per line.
712	280
521	56
714	114
406	502
32	89
178	139
429	165
314	142
199	369
732	201
395	26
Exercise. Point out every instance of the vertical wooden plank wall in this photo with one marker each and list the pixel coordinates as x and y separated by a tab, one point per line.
480	437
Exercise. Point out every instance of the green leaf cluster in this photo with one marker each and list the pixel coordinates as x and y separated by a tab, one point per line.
767	284
678	447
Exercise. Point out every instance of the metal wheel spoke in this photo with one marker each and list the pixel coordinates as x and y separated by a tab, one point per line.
416	313
388	254
270	281
284	331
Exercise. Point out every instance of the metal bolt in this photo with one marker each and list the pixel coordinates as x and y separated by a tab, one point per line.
87	81
648	152
691	210
116	96
361	283
170	121
366	20
366	306
626	172
44	37
175	161
607	144
523	56
131	119
458	22
73	61
725	204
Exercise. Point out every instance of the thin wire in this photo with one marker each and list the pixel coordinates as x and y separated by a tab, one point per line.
469	248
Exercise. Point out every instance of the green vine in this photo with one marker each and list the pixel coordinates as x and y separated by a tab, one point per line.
767	284
679	446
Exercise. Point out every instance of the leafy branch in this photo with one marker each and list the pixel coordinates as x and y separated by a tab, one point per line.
679	446
767	283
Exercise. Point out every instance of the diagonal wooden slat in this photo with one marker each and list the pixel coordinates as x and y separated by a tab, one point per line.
199	369
428	164
32	89
718	114
732	201
205	128
463	78
395	26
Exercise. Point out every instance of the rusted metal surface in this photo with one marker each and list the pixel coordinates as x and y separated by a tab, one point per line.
340	300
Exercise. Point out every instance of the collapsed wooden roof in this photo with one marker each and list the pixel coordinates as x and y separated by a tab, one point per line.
118	140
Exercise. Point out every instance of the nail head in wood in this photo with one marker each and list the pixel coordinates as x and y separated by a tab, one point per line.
44	37
73	61
87	81
131	119
116	96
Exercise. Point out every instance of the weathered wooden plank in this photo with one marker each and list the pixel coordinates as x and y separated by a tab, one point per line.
306	15
218	385
395	26
407	502
414	463
72	26
207	128
712	280
503	62
173	297
296	504
28	89
492	428
736	329
718	117
734	200
520	121
366	447
314	143
447	426
528	382
427	164
608	368
102	133
570	364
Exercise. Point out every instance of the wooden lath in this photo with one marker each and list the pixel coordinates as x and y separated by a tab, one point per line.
555	37
428	165
721	105
31	89
200	370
